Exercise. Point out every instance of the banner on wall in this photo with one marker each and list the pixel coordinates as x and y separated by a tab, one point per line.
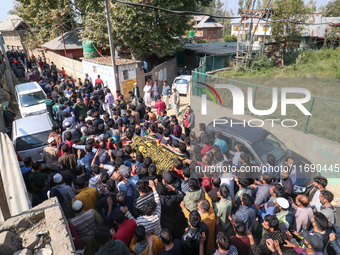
128	85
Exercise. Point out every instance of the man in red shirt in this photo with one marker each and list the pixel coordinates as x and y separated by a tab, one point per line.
126	228
41	64
99	82
63	72
207	145
160	106
241	240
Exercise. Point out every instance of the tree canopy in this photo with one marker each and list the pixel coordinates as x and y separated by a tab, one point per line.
45	18
143	30
331	9
295	10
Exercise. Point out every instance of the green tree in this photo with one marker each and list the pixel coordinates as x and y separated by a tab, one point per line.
241	6
295	10
45	18
144	31
331	9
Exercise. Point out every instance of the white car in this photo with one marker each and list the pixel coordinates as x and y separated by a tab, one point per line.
31	99
182	84
29	136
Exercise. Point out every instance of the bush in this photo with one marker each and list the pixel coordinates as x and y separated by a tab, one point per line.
290	57
259	63
230	38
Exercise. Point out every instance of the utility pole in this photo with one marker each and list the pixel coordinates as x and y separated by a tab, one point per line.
265	31
115	78
62	36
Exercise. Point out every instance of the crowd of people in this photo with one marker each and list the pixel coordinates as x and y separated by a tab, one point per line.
117	202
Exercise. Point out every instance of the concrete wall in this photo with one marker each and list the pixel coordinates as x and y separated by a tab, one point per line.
73	68
317	150
105	72
166	71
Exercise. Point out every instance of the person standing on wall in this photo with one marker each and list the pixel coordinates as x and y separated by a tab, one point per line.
166	93
189	120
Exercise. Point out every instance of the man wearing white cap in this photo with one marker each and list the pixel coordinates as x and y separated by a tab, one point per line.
50	155
284	215
85	223
66	193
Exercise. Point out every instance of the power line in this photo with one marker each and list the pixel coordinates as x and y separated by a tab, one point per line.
217	17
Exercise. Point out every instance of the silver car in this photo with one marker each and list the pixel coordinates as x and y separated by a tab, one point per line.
29	136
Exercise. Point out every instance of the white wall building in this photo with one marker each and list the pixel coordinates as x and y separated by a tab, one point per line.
127	74
245	26
318	30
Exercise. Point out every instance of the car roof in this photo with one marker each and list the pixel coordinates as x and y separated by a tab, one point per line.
185	77
33	124
251	134
27	87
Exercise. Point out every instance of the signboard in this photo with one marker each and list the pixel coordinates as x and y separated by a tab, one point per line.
128	85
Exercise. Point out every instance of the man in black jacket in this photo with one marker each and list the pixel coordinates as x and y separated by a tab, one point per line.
172	216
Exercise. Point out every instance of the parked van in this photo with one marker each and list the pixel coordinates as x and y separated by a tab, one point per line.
31	99
29	136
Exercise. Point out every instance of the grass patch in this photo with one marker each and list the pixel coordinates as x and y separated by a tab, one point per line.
317	71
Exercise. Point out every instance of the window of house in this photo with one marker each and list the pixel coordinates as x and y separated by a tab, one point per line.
125	74
215	31
209	31
235	28
94	69
210	20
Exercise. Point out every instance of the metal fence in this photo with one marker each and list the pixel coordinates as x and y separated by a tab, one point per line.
325	111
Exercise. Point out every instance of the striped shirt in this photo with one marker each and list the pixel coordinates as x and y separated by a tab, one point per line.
151	223
86	223
138	205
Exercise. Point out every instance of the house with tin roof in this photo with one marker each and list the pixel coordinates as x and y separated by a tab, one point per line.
12	30
207	27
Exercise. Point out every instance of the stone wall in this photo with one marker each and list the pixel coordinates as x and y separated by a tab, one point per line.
46	216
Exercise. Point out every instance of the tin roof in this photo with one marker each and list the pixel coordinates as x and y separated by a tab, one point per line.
106	60
206	22
10	23
72	42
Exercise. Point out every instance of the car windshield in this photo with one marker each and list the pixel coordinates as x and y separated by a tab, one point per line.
32	141
181	81
270	145
33	98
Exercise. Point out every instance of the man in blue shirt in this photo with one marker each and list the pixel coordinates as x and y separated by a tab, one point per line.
239	148
220	142
42	83
87	160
